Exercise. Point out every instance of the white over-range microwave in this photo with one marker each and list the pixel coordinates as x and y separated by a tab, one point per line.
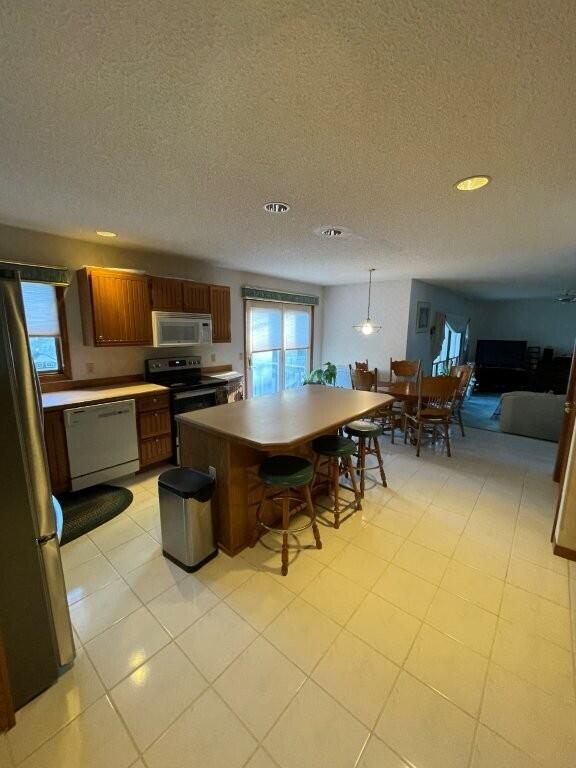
173	329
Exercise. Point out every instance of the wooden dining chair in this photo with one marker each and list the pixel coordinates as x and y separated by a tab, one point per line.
464	374
405	370
362	367
367	381
436	395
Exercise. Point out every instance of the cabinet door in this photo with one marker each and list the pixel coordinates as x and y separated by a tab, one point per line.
166	294
196	297
154	450
220	310
57	450
154	424
121	310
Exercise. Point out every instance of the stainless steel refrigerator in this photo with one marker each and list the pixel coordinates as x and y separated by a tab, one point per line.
34	617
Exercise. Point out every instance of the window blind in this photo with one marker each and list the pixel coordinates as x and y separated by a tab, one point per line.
41	309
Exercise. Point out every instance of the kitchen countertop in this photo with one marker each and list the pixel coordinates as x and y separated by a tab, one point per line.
287	418
70	398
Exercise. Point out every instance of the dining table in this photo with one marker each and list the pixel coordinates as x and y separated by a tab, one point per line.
406	391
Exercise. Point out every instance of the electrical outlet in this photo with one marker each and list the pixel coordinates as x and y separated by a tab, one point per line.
89	367
212	472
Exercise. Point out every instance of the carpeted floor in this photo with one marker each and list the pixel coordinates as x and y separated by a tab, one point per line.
478	412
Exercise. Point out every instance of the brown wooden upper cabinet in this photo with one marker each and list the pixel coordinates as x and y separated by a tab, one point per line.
116	307
166	294
220	310
196	297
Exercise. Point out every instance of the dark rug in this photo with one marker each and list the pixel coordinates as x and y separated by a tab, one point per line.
85	510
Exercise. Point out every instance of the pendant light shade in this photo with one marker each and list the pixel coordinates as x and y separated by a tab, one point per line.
368	326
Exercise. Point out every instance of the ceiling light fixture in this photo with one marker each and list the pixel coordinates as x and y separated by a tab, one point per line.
368	327
470	183
332	232
105	233
277	207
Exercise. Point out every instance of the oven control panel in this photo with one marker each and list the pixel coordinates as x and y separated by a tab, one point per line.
165	364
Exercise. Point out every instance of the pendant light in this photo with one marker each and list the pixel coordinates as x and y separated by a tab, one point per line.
368	327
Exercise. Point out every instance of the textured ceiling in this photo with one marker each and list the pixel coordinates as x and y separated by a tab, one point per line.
173	122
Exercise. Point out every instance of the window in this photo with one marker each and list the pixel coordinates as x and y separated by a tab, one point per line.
278	342
46	322
450	352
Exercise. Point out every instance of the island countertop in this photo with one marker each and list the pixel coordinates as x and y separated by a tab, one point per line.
285	419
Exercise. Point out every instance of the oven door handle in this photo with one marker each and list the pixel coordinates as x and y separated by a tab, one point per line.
195	393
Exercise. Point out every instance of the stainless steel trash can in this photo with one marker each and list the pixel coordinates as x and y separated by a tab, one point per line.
186	517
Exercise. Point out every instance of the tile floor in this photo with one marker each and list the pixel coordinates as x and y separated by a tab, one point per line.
435	630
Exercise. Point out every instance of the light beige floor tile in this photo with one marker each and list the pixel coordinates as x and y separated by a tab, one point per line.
154	577
315	726
100	610
405	590
536	615
88	577
261	759
259	685
206	734
41	718
482	556
529	718
537	549
421	561
353	525
359	566
302	633
216	639
302	571
541	581
259	600
385	627
401	503
357	676
449	667
133	553
5	758
473	585
82	742
153	696
534	659
462	621
378	541
146	516
117	531
225	574
334	595
332	543
378	755
125	646
182	604
491	751
416	721
434	534
77	552
393	520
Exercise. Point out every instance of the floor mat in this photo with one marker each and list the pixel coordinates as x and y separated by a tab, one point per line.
85	510
482	412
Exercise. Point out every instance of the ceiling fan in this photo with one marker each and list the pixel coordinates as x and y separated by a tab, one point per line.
567	297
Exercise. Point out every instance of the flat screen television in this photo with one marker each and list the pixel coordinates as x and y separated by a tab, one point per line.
501	354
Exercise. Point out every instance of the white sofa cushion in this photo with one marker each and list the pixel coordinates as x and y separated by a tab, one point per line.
533	414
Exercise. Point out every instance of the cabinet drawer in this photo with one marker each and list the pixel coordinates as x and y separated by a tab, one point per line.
153	402
154	423
155	449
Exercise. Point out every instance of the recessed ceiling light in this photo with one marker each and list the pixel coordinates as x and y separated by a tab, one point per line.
332	232
277	207
470	183
105	233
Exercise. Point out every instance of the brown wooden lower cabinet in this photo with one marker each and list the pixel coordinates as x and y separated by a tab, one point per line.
7	719
57	450
154	423
155	449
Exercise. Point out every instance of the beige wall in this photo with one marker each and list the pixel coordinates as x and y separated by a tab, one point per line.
41	248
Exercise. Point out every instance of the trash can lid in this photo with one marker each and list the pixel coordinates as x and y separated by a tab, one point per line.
188	483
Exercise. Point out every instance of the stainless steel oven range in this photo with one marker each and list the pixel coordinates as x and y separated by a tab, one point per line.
189	390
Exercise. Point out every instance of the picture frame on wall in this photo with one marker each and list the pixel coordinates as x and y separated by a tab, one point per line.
423	309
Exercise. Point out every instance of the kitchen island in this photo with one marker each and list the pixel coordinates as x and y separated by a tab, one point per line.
234	439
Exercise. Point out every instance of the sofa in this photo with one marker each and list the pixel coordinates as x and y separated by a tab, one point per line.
532	414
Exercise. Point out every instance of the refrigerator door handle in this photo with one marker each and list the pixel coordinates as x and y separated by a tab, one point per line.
45	539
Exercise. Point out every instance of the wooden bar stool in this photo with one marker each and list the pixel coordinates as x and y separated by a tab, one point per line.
367	433
288	472
339	451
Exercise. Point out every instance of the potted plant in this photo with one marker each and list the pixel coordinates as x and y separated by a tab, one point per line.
325	375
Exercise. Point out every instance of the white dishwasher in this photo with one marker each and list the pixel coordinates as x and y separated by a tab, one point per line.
102	442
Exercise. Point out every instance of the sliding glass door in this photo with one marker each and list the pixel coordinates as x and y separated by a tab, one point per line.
278	343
